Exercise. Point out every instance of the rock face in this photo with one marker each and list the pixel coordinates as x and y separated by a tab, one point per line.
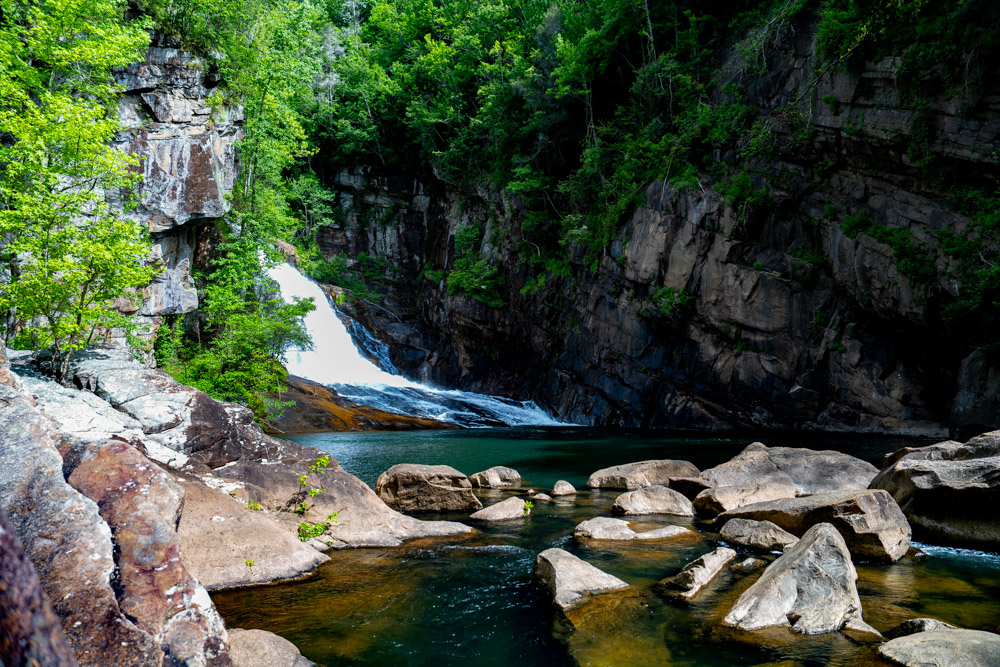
949	492
870	521
640	474
696	575
495	478
568	578
563	488
654	499
606	528
412	487
811	588
505	510
762	535
972	648
258	648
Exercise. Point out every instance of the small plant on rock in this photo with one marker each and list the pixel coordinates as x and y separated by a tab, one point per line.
309	530
253	505
528	506
250	563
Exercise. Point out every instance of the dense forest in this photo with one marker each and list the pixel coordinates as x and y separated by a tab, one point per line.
570	108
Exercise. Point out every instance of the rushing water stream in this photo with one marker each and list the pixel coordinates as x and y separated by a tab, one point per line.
473	600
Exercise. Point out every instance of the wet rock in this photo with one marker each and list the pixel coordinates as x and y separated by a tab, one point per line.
949	497
541	496
748	565
870	521
495	478
861	632
711	502
218	535
259	648
696	575
606	528
762	535
563	488
141	504
568	578
640	474
915	625
412	487
969	648
654	499
811	588
505	510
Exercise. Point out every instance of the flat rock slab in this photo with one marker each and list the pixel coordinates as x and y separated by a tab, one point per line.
495	478
606	528
259	648
505	510
762	535
654	499
640	474
696	575
811	588
563	488
412	487
568	578
714	501
968	648
915	625
870	521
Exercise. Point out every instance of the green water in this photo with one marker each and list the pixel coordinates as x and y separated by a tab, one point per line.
473	600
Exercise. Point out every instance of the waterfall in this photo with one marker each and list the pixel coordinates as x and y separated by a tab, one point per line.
337	362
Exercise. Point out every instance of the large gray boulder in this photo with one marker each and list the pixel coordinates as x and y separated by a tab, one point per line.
606	528
870	521
762	535
505	510
751	466
259	648
820	471
696	575
640	474
714	501
413	487
949	494
568	578
968	648
811	588
495	478
654	499
563	488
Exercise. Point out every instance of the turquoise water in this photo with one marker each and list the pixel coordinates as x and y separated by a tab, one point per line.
473	600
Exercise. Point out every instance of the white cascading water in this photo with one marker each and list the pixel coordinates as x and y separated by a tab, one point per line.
335	361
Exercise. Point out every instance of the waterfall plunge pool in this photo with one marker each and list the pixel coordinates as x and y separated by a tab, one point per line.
474	601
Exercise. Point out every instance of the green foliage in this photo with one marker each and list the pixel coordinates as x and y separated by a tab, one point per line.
528	506
250	563
474	276
66	255
309	530
672	301
254	505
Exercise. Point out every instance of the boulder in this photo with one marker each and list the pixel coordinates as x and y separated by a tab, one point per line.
606	528
714	501
412	487
563	488
568	578
654	499
950	494
870	521
968	648
505	510
219	535
811	588
820	471
750	467
696	574
915	625
495	478
689	487
748	565
762	535
937	451
259	648
541	496
640	474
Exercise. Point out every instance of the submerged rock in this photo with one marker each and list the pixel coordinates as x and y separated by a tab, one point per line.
563	488
640	474
505	510
870	521
762	535
915	625
568	578
696	575
541	496
412	487
654	499
259	648
606	528
495	478
811	588
968	648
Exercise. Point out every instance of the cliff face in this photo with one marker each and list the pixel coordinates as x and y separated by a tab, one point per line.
791	322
